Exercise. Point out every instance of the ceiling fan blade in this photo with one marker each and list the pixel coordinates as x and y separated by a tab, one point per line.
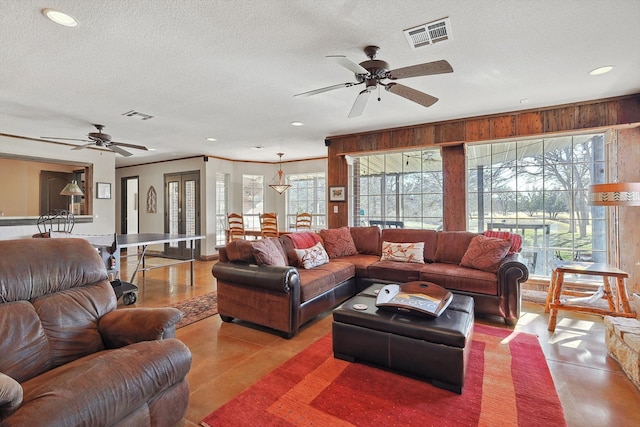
124	144
412	94
326	89
348	64
80	147
119	150
359	104
64	139
427	69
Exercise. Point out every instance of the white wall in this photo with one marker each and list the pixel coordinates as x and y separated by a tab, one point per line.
153	174
103	171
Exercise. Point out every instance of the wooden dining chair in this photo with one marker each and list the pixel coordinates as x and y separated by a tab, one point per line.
303	221
269	224
236	227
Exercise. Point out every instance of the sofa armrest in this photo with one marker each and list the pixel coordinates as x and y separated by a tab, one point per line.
511	273
126	326
513	270
267	277
10	395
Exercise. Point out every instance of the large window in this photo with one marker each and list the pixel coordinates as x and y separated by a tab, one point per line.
307	194
252	199
222	203
539	188
402	189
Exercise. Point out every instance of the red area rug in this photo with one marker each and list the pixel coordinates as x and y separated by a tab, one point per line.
197	308
507	384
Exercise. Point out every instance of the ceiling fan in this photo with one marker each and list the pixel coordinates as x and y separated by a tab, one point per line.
374	71
101	140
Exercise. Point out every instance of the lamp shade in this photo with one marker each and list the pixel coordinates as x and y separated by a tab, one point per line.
615	194
71	189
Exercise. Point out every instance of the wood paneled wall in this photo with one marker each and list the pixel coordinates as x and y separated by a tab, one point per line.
611	113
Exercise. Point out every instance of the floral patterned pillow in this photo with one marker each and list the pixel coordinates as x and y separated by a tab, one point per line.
312	257
485	253
403	252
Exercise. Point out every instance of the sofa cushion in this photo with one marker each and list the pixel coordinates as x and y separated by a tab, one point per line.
240	250
25	351
457	278
394	271
267	253
361	262
338	242
516	239
127	378
366	239
312	257
452	246
403	252
70	320
405	235
316	281
485	253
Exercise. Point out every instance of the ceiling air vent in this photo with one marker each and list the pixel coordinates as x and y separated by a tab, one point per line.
137	114
429	33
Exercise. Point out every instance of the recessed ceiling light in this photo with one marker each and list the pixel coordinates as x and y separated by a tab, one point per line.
601	70
297	124
524	100
59	17
211	139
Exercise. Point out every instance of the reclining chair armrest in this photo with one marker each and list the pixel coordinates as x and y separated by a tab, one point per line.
10	395
276	279
122	327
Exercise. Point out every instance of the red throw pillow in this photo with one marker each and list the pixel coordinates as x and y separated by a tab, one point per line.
516	239
267	253
485	253
338	242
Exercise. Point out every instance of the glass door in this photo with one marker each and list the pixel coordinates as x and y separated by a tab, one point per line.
182	211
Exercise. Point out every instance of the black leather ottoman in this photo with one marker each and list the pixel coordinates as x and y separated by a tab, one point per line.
432	349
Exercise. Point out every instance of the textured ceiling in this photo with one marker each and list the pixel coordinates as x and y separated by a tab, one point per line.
229	69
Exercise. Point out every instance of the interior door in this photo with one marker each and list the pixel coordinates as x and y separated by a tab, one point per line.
129	215
182	211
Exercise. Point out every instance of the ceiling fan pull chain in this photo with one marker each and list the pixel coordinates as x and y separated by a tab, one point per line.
379	94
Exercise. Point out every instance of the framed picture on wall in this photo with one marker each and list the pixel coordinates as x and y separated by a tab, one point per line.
103	190
338	194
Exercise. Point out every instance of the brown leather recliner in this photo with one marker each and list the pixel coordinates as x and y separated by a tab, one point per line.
69	357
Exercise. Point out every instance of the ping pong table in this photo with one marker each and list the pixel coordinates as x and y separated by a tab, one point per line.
144	240
109	246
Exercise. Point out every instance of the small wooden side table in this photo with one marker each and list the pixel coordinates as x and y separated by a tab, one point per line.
618	303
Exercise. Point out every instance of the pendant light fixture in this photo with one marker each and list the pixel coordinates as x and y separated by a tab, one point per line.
281	185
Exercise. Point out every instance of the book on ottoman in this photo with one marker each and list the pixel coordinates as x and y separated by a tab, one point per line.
419	298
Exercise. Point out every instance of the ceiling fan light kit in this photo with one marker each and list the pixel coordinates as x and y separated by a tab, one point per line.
374	71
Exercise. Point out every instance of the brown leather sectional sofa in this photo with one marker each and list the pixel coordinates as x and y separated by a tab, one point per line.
68	357
284	298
